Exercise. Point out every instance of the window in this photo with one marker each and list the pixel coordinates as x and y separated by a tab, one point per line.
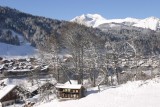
77	91
69	90
74	91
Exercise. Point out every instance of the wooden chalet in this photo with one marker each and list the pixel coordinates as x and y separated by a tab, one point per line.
42	88
8	95
70	91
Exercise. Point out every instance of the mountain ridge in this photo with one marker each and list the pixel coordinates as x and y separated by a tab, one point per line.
45	33
152	22
40	32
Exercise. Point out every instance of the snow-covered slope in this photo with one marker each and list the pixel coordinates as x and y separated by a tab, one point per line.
95	20
7	50
23	49
131	94
151	23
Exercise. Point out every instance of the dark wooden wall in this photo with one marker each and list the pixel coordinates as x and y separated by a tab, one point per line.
12	95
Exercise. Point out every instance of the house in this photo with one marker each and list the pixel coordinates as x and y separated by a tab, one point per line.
41	88
70	91
8	95
17	72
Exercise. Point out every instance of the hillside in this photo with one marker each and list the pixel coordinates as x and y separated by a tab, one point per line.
8	50
143	32
131	94
95	51
44	33
40	32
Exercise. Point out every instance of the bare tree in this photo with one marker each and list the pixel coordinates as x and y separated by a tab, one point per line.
77	43
116	54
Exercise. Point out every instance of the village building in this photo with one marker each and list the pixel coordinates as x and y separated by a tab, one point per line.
70	91
8	95
42	88
11	94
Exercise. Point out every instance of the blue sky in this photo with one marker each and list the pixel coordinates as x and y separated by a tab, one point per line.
68	9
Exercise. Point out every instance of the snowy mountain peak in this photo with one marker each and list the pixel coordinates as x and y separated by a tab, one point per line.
130	19
95	20
152	18
95	16
149	23
89	19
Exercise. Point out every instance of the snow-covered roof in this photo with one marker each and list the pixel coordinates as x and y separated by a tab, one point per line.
74	82
1	66
36	86
19	70
69	86
45	67
5	90
5	81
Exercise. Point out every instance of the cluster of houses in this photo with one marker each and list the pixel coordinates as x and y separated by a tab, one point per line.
20	67
14	94
23	93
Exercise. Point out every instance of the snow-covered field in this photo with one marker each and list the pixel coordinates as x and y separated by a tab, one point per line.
24	50
131	94
7	50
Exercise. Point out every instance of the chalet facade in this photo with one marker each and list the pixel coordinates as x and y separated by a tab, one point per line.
8	95
69	91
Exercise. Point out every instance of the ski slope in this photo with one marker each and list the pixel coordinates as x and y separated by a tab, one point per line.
131	94
23	50
7	50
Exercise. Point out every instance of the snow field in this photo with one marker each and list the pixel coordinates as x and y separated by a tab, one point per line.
131	94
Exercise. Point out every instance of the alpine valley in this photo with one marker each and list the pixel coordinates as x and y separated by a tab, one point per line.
109	62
